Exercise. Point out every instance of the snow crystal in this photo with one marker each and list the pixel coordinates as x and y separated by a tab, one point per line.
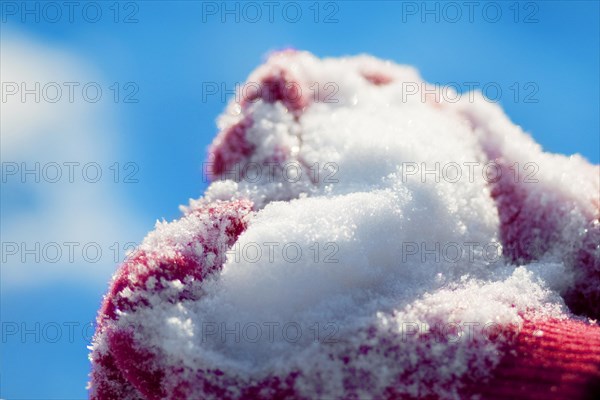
372	249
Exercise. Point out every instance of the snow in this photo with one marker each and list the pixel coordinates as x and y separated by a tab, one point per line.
377	240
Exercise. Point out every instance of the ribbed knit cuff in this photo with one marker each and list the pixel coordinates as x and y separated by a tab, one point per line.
551	360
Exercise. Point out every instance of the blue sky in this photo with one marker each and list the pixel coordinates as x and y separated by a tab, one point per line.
549	51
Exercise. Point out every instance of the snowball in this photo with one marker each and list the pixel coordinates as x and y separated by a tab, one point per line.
376	227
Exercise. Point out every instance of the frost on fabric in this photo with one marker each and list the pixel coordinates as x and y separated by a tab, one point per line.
168	267
394	322
555	214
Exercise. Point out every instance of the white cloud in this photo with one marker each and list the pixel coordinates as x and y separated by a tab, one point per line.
73	129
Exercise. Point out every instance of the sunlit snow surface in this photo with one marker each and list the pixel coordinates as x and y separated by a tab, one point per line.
354	265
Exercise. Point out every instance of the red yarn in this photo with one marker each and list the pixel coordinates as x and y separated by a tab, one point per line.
549	359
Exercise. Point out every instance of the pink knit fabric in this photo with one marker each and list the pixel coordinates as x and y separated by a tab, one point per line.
551	359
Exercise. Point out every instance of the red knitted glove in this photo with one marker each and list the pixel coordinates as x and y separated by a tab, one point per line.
365	236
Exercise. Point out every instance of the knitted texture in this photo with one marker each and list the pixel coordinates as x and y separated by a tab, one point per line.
363	237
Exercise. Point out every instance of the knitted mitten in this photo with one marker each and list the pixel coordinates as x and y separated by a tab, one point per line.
365	235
